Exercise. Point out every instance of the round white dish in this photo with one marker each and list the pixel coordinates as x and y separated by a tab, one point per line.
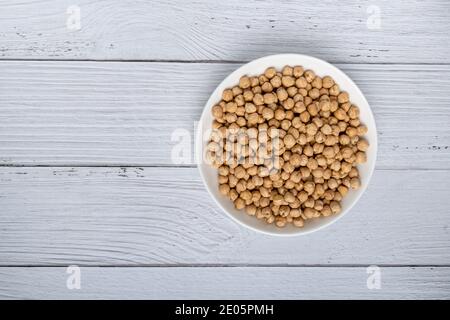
256	67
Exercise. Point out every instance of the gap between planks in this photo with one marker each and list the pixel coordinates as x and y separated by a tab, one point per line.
215	61
230	265
118	166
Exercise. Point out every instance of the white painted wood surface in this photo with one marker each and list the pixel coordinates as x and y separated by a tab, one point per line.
234	283
97	113
410	31
86	176
161	216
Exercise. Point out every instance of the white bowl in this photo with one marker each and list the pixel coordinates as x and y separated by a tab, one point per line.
257	67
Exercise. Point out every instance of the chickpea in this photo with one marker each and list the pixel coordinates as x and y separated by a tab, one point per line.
251	210
280	222
284	211
224	189
250	108
287	81
326	211
326	129
308	150
302	196
344	139
223	179
270	72
252	119
280	114
314	93
233	194
248	95
313	109
308	124
227	95
289	197
239	203
325	105
317	83
351	132
293	93
346	152
246	195
268	113
282	94
360	157
287	71
353	112
309	75
298	222
328	152
289	141
343	97
311	129
266	87
334	90
327	82
241	186
278	199
270	98
288	103
297	71
275	81
335	206
217	112
258	99
361	130
304	116
310	213
317	173
301	83
318	148
340	114
362	145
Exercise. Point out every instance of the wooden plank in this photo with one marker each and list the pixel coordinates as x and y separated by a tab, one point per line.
125	114
226	283
163	216
409	31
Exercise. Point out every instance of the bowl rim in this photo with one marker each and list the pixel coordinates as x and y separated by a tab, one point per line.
199	145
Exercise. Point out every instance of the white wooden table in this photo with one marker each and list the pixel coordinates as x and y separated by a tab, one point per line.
87	113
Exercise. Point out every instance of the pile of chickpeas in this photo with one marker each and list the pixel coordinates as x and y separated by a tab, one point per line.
286	145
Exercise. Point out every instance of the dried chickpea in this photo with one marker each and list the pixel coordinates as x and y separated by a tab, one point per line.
360	157
282	94
309	75
217	112
227	95
362	145
335	206
275	82
334	90
327	82
343	97
287	81
266	87
287	145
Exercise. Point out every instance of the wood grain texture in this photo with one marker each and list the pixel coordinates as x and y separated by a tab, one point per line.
410	31
154	232
125	114
164	216
225	283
